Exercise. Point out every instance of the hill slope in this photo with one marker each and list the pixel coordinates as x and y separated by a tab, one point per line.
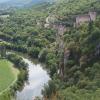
75	76
21	3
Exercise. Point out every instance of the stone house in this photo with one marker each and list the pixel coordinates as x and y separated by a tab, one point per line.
81	19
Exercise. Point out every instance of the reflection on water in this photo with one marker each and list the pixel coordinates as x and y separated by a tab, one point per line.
37	78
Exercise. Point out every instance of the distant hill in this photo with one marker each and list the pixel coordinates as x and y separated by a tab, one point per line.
21	3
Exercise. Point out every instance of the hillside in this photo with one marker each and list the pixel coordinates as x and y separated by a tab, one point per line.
70	50
21	3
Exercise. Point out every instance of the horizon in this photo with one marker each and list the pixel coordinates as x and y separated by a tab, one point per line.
3	1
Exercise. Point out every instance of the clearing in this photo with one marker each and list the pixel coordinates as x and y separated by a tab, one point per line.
8	74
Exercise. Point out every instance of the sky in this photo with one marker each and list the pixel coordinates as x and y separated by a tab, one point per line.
3	1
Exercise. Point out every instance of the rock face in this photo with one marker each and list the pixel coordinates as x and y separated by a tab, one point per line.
63	61
50	20
61	29
97	50
91	16
66	55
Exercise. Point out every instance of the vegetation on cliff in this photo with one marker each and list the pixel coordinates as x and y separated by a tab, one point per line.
74	66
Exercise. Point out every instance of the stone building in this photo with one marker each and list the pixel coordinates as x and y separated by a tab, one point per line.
91	16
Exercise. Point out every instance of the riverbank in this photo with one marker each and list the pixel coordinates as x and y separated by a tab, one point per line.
37	77
13	70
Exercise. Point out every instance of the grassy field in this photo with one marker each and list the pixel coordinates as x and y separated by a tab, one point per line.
8	74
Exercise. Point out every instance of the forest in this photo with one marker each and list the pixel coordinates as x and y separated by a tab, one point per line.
49	33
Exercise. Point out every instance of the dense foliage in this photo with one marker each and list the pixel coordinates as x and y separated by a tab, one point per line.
78	76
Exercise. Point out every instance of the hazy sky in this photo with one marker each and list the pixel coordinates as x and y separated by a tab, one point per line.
3	0
10	0
23	0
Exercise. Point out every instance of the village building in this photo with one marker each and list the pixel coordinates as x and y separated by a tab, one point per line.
91	16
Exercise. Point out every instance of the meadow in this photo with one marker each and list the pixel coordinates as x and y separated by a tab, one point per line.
8	75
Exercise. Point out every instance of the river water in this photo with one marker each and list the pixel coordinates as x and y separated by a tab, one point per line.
37	78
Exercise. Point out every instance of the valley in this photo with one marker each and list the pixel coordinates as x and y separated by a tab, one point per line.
63	37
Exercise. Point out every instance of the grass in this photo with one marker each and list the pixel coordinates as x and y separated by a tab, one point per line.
8	74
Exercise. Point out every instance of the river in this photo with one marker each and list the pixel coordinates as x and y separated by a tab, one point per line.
36	79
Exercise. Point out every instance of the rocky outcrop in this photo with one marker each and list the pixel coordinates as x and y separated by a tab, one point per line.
97	50
50	20
66	56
